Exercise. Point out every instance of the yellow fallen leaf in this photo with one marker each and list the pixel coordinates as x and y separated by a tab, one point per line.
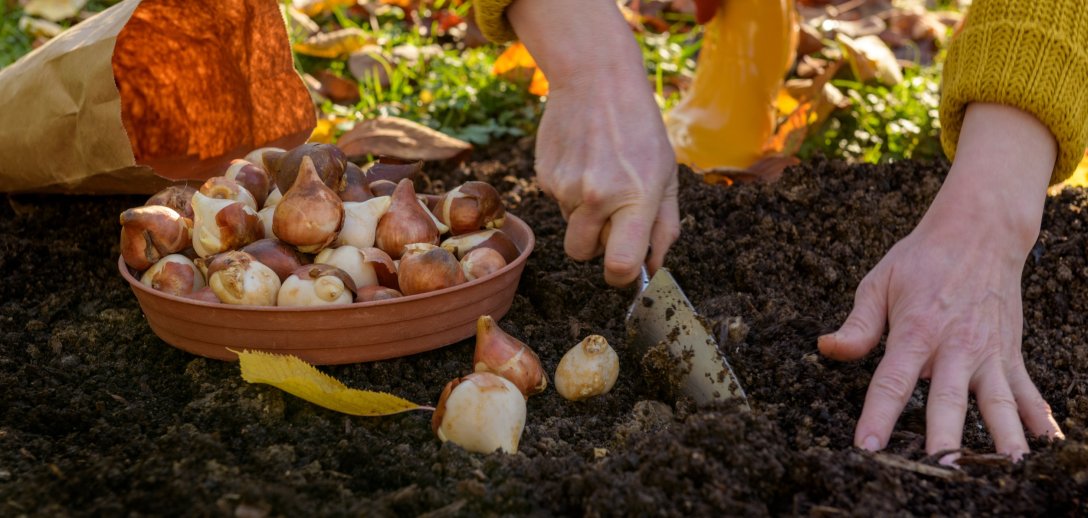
54	10
38	28
1079	178
301	379
331	45
516	64
870	58
316	7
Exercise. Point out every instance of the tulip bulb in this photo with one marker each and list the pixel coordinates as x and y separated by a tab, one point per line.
176	197
393	169
328	163
267	215
366	266
222	224
442	227
273	198
481	262
382	187
354	186
267	158
277	255
150	233
405	222
316	285
499	353
361	221
376	293
425	267
237	278
481	412
310	213
204	294
588	369
493	238
472	206
174	274
227	189
252	177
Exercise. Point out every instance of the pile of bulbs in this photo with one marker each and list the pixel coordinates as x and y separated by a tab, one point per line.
306	227
485	411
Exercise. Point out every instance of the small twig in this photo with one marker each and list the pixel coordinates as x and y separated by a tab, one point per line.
894	461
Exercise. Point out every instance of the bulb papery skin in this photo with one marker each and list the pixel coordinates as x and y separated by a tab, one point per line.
220	225
382	187
237	278
425	267
310	213
500	353
176	197
225	188
442	227
481	262
353	188
316	285
361	221
376	293
481	412
174	274
472	206
152	232
587	369
273	199
252	177
281	257
492	238
405	222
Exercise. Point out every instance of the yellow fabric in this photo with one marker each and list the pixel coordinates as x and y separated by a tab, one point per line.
1029	54
491	17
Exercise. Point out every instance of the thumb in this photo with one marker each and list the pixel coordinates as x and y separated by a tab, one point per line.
862	329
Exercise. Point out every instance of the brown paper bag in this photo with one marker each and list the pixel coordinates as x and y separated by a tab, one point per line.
147	92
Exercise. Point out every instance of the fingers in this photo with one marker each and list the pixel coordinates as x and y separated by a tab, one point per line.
946	406
582	240
862	329
1034	410
625	252
891	387
665	231
998	407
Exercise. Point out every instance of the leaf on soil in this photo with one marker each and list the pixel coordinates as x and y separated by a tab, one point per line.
301	379
299	25
402	138
54	10
370	63
331	45
870	58
516	64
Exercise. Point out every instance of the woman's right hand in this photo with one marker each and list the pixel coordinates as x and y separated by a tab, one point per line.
602	151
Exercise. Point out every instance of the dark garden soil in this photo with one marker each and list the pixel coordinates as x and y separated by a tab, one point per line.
98	416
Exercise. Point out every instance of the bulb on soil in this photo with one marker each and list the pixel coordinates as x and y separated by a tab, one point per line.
481	412
588	369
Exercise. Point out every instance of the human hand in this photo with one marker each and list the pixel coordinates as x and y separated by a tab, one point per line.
950	293
602	151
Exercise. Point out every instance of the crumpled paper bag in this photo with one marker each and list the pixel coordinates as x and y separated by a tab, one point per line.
147	92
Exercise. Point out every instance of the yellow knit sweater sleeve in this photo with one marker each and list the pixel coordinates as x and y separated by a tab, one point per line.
1031	54
491	17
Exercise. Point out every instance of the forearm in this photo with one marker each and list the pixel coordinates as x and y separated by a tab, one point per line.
998	180
578	41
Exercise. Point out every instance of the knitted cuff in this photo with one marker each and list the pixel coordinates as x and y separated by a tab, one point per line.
491	17
1031	55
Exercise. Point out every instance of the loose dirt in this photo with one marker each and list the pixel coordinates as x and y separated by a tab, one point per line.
100	417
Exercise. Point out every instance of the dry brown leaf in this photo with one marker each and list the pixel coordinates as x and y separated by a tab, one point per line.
300	25
337	89
370	63
334	44
54	10
870	58
401	138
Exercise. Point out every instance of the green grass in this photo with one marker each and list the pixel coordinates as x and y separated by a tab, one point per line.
14	43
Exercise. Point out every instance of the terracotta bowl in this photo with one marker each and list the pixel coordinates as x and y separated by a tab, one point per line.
350	333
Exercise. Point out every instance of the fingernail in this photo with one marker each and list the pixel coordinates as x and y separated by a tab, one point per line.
871	443
950	460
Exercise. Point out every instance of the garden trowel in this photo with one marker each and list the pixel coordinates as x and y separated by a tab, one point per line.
661	313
